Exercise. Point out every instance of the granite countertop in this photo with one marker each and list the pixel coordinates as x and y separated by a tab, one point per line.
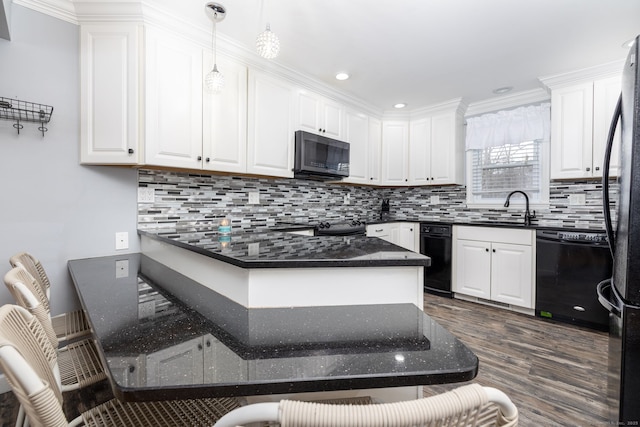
279	249
144	315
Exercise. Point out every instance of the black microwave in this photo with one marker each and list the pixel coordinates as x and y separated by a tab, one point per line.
319	157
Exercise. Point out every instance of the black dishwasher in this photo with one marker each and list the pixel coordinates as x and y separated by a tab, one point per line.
435	242
570	264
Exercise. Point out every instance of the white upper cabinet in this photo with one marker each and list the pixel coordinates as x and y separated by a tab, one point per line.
173	101
270	123
375	151
580	118
395	152
319	115
224	145
605	97
357	135
437	149
420	151
110	94
447	148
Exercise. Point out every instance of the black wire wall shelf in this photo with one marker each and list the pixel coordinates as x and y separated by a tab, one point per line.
23	111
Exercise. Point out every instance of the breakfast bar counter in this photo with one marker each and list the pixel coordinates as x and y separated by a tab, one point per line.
279	269
162	335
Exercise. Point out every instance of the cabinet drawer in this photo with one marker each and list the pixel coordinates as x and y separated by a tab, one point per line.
380	230
495	234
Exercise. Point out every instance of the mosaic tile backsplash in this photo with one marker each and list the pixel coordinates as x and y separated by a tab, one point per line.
184	200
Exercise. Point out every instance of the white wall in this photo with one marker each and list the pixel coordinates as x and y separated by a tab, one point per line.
50	205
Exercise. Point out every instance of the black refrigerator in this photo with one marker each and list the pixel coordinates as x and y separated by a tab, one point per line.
620	295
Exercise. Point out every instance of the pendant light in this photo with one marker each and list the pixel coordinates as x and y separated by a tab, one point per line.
214	80
267	43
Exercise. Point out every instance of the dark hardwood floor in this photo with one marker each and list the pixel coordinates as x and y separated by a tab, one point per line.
554	373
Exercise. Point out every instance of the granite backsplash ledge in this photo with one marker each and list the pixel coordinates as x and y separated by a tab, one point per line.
185	199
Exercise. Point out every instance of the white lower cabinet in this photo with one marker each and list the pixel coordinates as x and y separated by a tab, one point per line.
403	234
495	264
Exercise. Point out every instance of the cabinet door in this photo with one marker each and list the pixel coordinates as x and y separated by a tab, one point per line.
332	119
357	135
419	151
511	273
319	115
173	107
473	268
395	153
409	236
446	151
605	97
572	131
109	93
270	130
375	148
225	119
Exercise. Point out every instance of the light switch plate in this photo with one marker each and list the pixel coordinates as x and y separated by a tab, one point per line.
434	200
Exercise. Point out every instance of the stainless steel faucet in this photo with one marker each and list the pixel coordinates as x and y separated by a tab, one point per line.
528	216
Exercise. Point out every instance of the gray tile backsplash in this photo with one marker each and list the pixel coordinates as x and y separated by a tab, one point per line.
184	199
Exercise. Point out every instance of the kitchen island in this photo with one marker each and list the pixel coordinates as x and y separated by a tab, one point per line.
162	335
278	269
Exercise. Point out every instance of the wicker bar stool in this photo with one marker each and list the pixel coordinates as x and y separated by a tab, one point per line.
67	326
467	406
28	360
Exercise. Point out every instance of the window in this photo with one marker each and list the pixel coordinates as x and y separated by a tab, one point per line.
503	159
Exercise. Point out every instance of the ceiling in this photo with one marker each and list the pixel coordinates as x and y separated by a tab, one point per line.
424	52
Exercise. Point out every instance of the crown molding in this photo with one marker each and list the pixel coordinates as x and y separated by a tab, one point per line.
505	102
61	9
610	69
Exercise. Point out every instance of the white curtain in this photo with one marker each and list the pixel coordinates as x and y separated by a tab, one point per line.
522	124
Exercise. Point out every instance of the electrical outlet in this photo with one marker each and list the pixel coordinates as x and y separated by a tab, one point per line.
122	268
434	200
146	195
254	198
146	309
577	199
254	249
122	240
347	199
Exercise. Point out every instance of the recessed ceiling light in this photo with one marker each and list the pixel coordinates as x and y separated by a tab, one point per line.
628	43
501	90
400	105
342	76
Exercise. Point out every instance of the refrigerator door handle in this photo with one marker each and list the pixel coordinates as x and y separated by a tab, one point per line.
605	295
605	176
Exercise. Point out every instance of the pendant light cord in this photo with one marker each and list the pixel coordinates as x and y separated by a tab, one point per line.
214	41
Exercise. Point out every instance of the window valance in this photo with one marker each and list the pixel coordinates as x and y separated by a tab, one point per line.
530	123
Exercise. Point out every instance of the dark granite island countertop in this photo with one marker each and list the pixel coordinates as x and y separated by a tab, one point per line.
162	335
279	249
280	269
